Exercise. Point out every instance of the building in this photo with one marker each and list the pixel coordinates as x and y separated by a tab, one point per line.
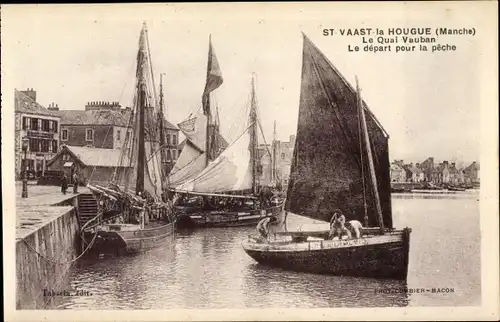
283	157
398	174
265	170
427	168
94	165
106	125
456	175
41	126
472	173
413	173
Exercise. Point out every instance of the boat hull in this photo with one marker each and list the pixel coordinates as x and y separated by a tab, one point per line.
128	241
383	256
228	219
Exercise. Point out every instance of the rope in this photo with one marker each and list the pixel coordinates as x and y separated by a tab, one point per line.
58	262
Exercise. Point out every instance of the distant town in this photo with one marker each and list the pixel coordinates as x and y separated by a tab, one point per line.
50	141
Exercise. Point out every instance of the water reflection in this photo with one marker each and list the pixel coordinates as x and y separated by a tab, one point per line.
208	268
277	287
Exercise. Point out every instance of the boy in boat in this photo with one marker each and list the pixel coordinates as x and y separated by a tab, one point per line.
355	227
337	225
263	226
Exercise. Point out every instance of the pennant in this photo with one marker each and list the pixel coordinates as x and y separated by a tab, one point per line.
214	79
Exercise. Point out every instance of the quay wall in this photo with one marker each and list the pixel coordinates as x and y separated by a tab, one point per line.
44	256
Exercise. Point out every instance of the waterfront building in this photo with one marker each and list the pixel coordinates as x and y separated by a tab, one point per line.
283	157
472	173
398	174
41	126
427	167
413	173
106	125
92	164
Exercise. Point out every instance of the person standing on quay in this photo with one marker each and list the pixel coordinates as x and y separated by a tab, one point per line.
64	184
75	182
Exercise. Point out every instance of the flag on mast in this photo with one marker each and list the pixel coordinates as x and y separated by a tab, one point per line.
214	78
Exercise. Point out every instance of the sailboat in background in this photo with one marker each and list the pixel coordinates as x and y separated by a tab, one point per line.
133	213
341	162
218	185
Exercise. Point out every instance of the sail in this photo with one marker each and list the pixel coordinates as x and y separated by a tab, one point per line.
230	171
191	162
327	167
145	132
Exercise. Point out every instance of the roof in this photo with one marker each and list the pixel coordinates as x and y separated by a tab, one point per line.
473	166
95	117
101	117
92	156
395	166
25	104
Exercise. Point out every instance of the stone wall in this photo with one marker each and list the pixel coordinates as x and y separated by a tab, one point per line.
57	239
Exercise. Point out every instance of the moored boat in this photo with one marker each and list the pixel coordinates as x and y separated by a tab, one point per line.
340	161
134	212
217	185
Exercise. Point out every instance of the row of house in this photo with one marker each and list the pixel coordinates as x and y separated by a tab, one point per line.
276	161
87	141
438	173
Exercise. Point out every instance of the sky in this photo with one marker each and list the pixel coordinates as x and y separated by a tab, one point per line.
429	103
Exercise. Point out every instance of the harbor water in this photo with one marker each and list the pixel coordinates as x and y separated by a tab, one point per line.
207	268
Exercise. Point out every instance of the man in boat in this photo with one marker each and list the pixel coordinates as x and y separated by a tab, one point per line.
337	225
355	227
263	226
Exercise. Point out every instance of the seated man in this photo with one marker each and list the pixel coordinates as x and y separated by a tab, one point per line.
337	225
355	227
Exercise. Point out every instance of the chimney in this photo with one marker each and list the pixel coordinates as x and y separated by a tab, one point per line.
30	93
53	107
453	164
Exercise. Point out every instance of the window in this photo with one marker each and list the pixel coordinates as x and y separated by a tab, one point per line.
54	126
64	135
169	155
118	135
89	135
45	125
44	145
26	122
283	156
51	126
174	140
174	154
168	139
34	145
54	146
34	124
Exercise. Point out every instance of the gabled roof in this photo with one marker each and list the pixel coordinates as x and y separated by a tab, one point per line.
92	156
101	117
95	117
25	104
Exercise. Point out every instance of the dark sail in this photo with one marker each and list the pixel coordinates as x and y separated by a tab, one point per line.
326	172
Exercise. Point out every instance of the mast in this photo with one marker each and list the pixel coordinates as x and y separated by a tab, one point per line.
163	171
141	103
370	160
253	139
273	158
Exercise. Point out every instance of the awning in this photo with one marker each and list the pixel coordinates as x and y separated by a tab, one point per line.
68	164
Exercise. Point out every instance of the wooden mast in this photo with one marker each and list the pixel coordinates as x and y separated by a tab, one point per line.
141	103
208	108
253	139
163	171
273	157
370	159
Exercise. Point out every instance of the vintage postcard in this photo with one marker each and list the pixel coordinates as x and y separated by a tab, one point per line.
250	161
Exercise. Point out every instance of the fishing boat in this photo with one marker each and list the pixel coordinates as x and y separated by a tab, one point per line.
134	212
340	161
217	184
